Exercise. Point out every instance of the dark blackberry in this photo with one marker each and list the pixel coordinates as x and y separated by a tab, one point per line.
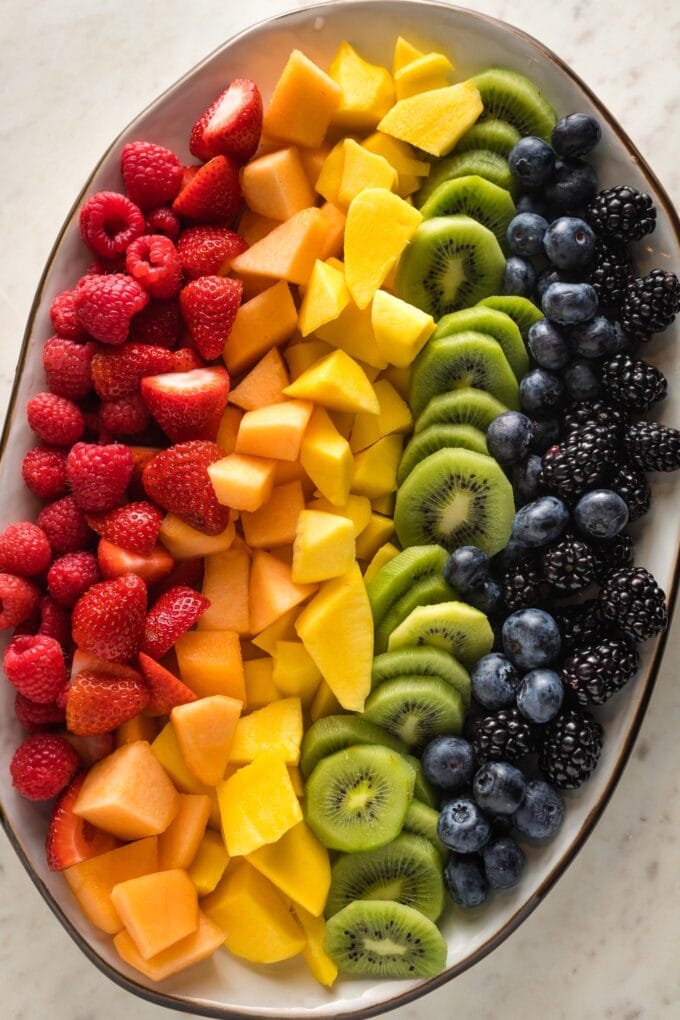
580	625
622	214
612	555
503	735
650	304
523	586
571	748
583	460
592	412
595	673
569	564
634	384
653	446
609	273
633	488
634	602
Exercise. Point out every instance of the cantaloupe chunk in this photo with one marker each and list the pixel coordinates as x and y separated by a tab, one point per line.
265	321
435	120
289	251
276	185
401	330
335	220
259	679
379	226
226	585
209	863
276	727
166	750
316	957
352	332
404	53
324	299
157	910
201	944
91	881
263	385
357	509
252	227
382	556
379	530
257	805
326	457
242	482
210	663
205	735
272	590
275	523
394	416
254	284
324	546
375	469
362	169
313	160
295	674
293	471
302	104
336	382
140	727
282	629
228	427
298	865
324	703
367	90
186	543
113	798
422	74
275	431
177	846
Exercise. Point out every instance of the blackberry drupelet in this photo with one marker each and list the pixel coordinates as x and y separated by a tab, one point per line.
632	383
569	565
622	214
584	459
522	587
595	673
612	555
650	304
580	625
633	488
653	446
571	749
592	412
504	735
634	602
609	273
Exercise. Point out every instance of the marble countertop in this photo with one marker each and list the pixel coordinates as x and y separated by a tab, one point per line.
604	943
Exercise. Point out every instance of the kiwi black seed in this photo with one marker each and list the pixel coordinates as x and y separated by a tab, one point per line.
514	98
476	197
467	406
461	361
495	324
416	709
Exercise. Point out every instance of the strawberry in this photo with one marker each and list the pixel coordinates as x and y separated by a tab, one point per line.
166	691
232	125
185	573
92	749
108	620
160	323
178	480
212	195
133	526
141	455
71	839
172	615
188	405
117	373
153	567
99	702
187	358
208	251
86	662
209	306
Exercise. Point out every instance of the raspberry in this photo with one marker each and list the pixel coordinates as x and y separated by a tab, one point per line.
109	222
126	416
70	576
105	305
152	260
152	174
55	621
65	526
58	421
44	472
18	600
160	324
99	475
64	318
163	221
34	664
43	765
67	367
206	251
24	549
35	717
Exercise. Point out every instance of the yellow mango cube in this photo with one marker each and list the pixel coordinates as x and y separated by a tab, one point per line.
379	226
325	297
401	330
379	530
276	728
435	120
316	957
177	846
166	749
272	590
298	865
424	73
209	863
375	469
301	356
398	154
294	673
357	509
205	734
282	629
242	482
259	679
404	53
190	950
362	169
352	332
157	910
400	377
276	185
324	703
210	662
330	175
324	546
257	805
186	543
394	416
382	556
327	458
303	103
337	383
367	90
385	504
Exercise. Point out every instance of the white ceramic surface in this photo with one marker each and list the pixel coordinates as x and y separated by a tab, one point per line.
225	984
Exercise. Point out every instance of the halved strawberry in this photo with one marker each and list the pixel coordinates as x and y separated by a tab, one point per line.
114	562
208	251
87	662
187	405
166	691
92	749
213	195
117	373
232	125
178	480
108	620
70	839
209	306
133	526
187	358
173	614
100	702
141	455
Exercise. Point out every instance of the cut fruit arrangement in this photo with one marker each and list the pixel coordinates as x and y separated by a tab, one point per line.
279	561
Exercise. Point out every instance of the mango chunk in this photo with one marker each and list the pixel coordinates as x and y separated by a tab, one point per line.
289	251
226	584
357	509
382	556
157	910
210	663
326	457
404	53
362	169
379	226
282	629
352	332
294	674
398	154
435	120
257	805
190	950
209	863
91	881
330	175
274	432
303	103
266	321
325	703
401	330
177	846
325	298
375	469
367	90
316	958
336	382
385	504
205	735
272	590
394	416
263	385
324	546
301	356
400	377
260	687
186	543
242	482
298	865
276	185
424	73
140	727
379	530
276	728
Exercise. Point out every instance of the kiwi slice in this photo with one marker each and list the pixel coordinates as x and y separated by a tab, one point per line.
495	324
473	196
335	732
401	573
457	628
473	163
436	437
461	361
422	790
496	135
357	798
521	310
408	871
422	819
456	497
451	262
384	939
424	662
513	97
426	592
415	709
462	407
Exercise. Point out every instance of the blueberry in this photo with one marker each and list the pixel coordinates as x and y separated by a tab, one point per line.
525	234
545	278
597	338
540	696
548	345
569	303
519	277
531	203
449	763
465	880
526	481
466	569
509	436
601	514
582	380
531	161
541	813
487	597
494	680
572	186
624	344
569	243
546	434
503	862
499	788
540	393
462	826
538	523
575	135
531	638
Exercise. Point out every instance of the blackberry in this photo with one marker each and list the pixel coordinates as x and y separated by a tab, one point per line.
595	673
609	273
522	587
650	304
503	735
635	385
593	412
633	488
634	602
653	446
571	748
612	555
569	565
622	214
583	460
580	625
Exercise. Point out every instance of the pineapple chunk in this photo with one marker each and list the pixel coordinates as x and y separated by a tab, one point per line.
401	330
379	226
326	457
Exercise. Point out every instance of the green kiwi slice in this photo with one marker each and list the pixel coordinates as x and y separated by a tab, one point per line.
455	627
473	196
451	262
401	573
498	325
521	310
455	497
496	135
335	732
436	437
510	96
461	361
415	709
423	661
422	790
426	592
422	820
461	407
384	939
407	870
357	798
473	163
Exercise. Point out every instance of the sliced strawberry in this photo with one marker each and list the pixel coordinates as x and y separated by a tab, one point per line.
108	620
100	702
209	306
70	839
133	526
188	405
117	373
166	691
197	146
233	125
178	480
187	358
87	662
213	195
114	562
208	251
173	614
92	749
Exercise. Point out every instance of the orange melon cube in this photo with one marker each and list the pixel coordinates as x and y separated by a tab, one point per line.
177	846
166	749
228	427
313	160
157	910
188	951
335	230
253	283
91	881
186	543
113	798
275	522
210	663
289	251
260	687
303	103
140	727
276	728
226	584
252	227
205	735
275	431
209	864
272	590
240	482
292	471
260	324
276	185
263	385
257	805
282	629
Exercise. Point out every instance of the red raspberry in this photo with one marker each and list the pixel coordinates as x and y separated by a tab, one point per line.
55	621
118	372
70	576
152	174
108	222
162	221
43	765
35	717
152	260
126	416
58	421
18	600
99	475
67	367
65	526
208	251
24	549
34	664
44	472
105	305
62	697
64	318
160	324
